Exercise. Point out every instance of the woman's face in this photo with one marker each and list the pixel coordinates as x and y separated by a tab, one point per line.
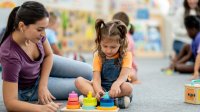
35	32
192	3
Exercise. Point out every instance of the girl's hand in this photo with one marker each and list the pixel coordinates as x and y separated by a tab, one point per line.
50	107
44	96
115	90
99	94
195	76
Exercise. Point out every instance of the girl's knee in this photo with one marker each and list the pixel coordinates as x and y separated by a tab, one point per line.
127	88
78	81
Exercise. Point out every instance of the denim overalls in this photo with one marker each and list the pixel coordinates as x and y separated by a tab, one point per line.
110	72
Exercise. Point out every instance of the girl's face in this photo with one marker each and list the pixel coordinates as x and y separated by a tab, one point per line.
55	24
109	47
193	3
35	32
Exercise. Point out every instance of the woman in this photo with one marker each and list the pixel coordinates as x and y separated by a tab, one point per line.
191	7
30	70
181	43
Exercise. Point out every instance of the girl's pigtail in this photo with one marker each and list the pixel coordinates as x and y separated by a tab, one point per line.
123	30
98	25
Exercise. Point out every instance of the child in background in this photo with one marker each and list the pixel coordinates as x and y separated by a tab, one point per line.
192	24
124	18
189	52
111	64
51	33
181	62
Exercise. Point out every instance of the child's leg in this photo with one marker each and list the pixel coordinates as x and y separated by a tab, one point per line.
184	51
183	68
133	77
84	86
126	89
124	98
178	58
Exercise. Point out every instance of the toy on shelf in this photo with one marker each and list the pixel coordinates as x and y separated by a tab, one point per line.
89	103
73	102
192	92
107	103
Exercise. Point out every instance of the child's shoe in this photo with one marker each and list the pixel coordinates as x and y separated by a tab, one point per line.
123	102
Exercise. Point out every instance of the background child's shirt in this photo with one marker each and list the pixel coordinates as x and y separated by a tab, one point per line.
51	36
131	48
126	62
195	45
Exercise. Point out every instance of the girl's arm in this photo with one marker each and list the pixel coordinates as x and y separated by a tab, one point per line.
115	88
43	93
10	96
97	84
196	67
123	75
126	69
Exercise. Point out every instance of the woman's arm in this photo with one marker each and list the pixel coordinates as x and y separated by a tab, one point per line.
43	93
178	23
10	96
13	104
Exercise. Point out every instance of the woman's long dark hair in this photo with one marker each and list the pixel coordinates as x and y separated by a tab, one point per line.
187	8
29	13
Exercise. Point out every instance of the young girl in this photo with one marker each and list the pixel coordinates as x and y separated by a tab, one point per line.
192	24
124	18
111	65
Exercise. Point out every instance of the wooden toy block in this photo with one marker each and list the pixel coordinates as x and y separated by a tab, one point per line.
106	103
83	110
73	102
192	92
89	105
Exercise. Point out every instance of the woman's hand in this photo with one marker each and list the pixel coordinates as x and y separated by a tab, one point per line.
115	90
50	107
44	96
